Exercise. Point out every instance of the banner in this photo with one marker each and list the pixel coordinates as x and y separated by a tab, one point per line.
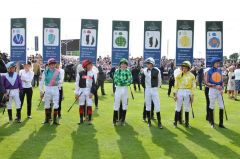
51	39
89	37
36	43
214	41
184	41
152	41
120	41
18	40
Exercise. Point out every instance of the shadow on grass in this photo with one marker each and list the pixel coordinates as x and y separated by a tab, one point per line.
129	145
11	129
102	97
95	113
232	135
204	140
36	142
167	140
41	106
85	144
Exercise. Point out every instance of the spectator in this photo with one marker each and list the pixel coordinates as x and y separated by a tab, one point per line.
101	79
200	77
237	81
36	70
231	82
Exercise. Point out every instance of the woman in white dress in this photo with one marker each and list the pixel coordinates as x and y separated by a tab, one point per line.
231	82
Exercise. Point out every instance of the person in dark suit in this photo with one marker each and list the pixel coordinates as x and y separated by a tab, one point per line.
101	79
136	79
200	77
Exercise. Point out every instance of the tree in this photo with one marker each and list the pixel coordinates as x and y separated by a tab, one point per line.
225	58
234	56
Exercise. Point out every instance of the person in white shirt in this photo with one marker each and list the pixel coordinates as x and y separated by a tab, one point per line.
237	81
62	73
27	75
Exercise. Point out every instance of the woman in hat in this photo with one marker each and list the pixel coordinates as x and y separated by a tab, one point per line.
231	82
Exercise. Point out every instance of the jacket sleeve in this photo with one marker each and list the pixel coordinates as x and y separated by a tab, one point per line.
94	86
116	77
129	78
143	80
77	84
177	78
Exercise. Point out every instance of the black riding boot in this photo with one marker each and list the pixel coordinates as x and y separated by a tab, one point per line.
115	116
149	118
211	118
47	116
187	120
159	120
10	115
123	117
55	120
176	119
221	119
19	115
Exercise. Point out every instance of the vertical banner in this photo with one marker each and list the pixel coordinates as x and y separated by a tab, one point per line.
214	41
184	41
18	40
120	41
152	40
51	39
89	39
36	43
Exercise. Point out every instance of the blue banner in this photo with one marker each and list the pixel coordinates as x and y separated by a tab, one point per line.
152	41
51	39
18	40
184	41
120	41
89	40
214	41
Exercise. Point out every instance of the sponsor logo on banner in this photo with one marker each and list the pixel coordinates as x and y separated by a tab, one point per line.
18	37
89	37
51	36
152	40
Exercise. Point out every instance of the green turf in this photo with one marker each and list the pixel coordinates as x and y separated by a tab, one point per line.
31	139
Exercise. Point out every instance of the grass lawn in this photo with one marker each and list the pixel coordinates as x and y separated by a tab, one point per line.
31	139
